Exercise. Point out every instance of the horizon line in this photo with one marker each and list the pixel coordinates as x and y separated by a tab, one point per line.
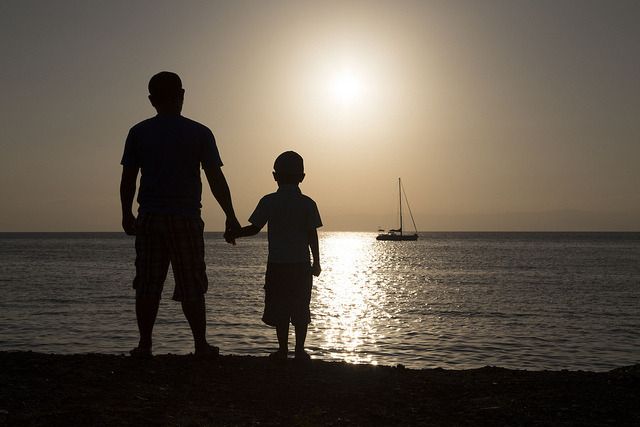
346	231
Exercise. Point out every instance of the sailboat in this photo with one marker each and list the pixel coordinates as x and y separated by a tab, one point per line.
397	234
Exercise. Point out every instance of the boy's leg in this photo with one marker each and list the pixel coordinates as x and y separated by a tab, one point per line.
301	315
282	331
301	336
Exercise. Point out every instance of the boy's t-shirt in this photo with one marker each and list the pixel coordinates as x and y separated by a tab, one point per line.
169	151
290	215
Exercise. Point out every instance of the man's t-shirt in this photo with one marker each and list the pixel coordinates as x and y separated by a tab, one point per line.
169	151
291	215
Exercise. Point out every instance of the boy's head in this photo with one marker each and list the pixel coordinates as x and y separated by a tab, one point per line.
288	168
166	93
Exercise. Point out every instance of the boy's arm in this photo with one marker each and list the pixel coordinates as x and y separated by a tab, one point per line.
249	230
127	194
315	252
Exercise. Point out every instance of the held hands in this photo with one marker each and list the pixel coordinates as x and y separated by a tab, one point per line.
232	227
230	236
315	269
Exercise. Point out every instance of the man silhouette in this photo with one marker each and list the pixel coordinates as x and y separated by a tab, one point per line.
168	149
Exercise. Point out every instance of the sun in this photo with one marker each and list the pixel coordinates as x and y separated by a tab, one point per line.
346	86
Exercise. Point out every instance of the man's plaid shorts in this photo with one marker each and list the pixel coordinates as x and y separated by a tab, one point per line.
162	239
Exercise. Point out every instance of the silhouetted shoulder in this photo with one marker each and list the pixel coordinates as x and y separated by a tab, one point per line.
142	125
309	202
156	121
313	215
268	198
196	125
308	199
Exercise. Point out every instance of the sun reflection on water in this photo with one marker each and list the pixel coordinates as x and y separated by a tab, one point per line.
345	298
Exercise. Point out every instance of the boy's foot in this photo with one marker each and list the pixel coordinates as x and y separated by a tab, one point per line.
278	356
208	352
302	356
141	353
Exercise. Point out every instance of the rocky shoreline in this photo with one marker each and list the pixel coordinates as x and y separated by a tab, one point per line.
95	389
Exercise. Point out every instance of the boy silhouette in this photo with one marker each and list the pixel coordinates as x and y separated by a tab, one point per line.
293	219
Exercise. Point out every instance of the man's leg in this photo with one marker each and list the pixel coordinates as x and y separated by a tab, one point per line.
186	246
152	264
146	312
196	313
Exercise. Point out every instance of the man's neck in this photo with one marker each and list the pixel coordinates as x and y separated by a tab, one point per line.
168	109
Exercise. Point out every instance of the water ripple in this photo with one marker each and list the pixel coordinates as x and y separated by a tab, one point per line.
451	300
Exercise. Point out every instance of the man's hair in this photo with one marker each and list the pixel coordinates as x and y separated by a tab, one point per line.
165	86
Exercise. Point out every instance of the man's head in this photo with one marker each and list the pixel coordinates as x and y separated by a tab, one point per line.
166	93
288	168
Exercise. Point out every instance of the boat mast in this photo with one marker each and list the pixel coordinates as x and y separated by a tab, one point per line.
410	213
400	200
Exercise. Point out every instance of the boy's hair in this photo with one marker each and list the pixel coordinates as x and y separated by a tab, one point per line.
289	163
165	86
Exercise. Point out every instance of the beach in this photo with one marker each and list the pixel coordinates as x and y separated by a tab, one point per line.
96	389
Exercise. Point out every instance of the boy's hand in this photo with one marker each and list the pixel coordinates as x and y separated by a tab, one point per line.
315	269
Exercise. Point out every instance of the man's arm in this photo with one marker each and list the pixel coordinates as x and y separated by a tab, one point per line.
127	194
315	252
220	190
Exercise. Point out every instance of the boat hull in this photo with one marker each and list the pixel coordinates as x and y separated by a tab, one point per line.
397	237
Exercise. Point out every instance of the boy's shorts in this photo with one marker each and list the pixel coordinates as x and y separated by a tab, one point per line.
162	239
287	294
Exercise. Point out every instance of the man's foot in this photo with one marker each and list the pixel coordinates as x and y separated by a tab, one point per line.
302	356
141	353
279	356
207	352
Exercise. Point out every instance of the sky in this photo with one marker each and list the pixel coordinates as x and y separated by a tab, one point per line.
498	115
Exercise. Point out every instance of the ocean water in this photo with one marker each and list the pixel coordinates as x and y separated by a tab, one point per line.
450	300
